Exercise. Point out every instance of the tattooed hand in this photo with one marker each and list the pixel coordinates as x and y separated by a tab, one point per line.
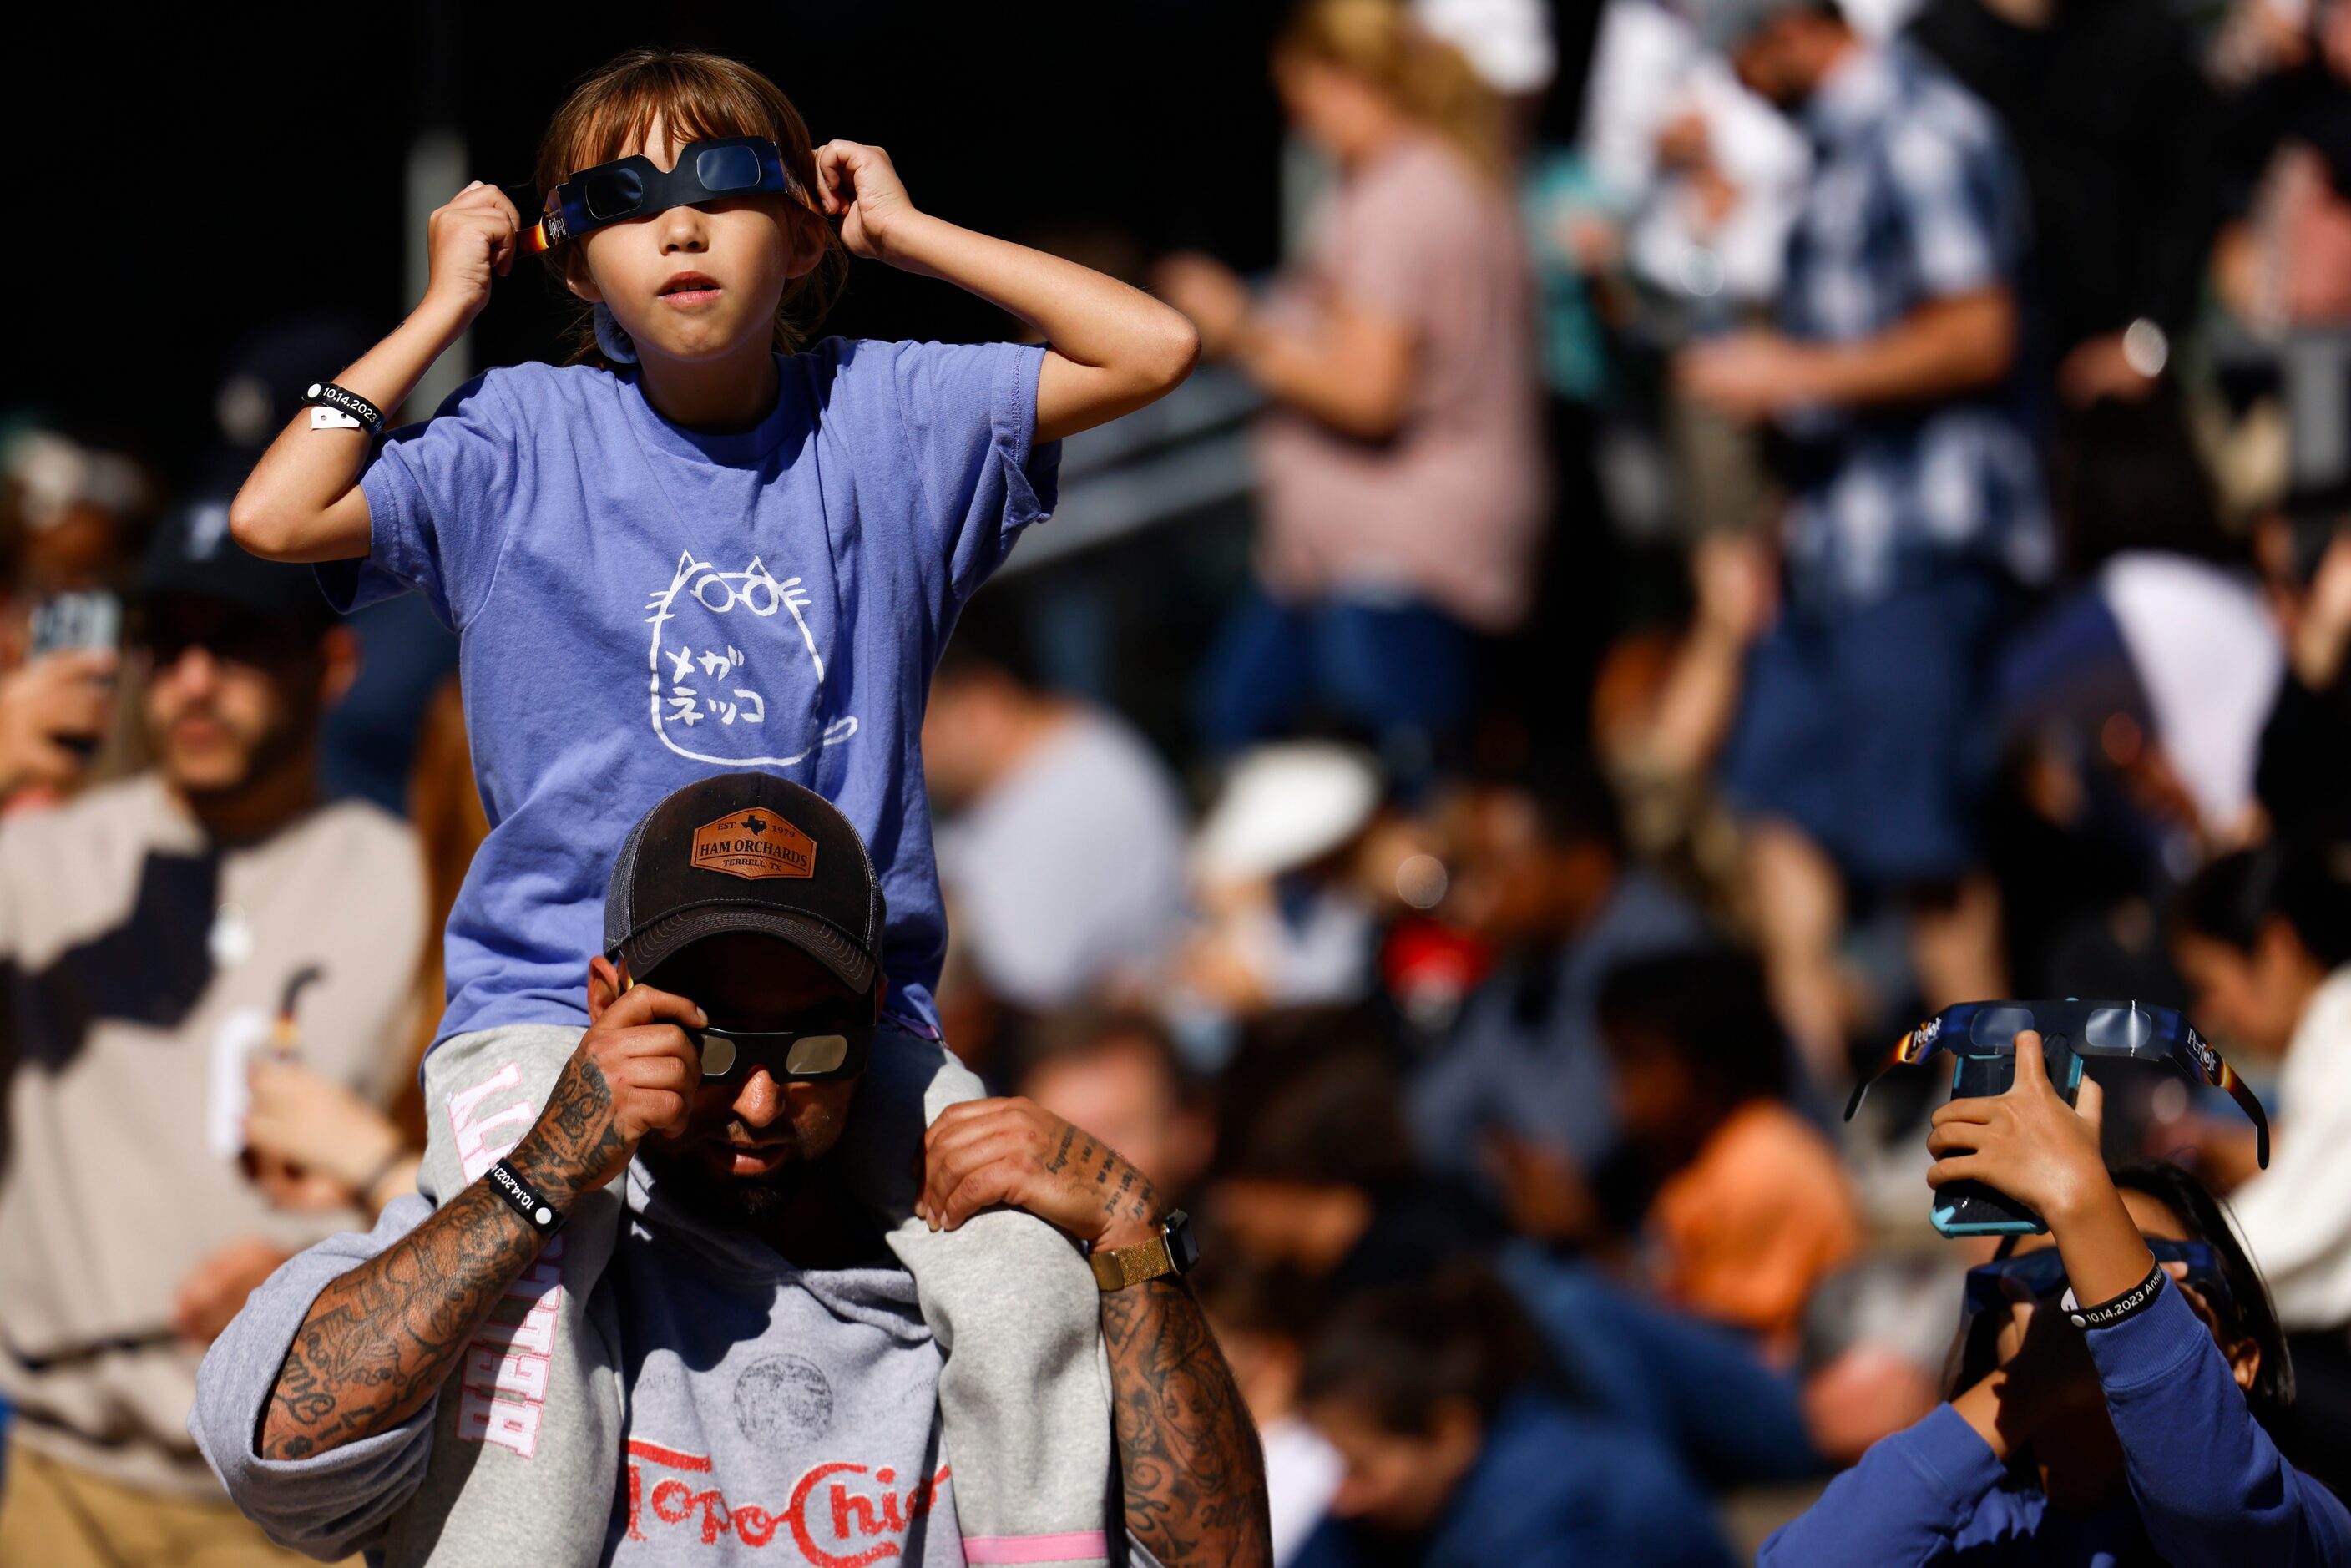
985	1152
635	1072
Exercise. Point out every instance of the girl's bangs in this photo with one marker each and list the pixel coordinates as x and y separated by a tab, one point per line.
691	110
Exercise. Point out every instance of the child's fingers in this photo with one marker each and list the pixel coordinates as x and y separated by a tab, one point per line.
1961	1135
2090	1102
1974	1110
2031	1069
830	166
1956	1167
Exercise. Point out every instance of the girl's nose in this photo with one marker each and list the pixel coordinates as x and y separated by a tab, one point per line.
683	230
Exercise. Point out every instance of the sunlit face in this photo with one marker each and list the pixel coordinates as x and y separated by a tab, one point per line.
747	1141
2240	997
695	284
228	697
1397	1482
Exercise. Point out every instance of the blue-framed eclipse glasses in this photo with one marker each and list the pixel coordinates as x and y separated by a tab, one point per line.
2042	1275
633	187
2085	1029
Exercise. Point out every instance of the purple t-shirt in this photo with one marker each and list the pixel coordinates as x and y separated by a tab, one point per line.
639	605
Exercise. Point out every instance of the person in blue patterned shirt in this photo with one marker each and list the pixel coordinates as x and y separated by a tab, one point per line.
1915	504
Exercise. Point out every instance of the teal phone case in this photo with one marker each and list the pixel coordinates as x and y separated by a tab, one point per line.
1987	1211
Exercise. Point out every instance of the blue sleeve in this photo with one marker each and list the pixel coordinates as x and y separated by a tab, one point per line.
1954	196
2212	1489
1903	1506
439	498
334	1503
971	415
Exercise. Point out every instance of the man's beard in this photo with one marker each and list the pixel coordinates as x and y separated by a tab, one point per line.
747	1200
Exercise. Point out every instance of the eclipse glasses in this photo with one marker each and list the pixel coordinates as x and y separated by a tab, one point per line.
633	187
2042	1275
1974	1031
789	1055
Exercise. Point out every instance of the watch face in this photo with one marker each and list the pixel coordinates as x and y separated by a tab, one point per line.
1182	1252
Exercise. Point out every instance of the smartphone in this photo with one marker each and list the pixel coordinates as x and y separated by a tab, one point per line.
1970	1207
65	622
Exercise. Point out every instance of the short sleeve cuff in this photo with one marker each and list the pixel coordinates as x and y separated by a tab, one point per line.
394	564
1032	472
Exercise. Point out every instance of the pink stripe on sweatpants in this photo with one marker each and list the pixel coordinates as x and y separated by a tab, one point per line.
1075	1545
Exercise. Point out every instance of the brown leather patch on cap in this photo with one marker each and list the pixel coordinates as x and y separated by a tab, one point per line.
753	845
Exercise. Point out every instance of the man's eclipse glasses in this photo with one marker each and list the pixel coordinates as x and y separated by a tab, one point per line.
789	1055
2087	1030
633	187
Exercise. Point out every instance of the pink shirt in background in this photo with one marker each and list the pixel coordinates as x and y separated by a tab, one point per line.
1450	509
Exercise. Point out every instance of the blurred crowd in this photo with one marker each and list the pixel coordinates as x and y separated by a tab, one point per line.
1772	518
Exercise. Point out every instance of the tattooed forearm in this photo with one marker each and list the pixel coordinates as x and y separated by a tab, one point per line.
1192	1474
380	1342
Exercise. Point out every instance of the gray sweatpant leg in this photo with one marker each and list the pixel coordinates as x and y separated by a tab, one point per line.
1025	1395
532	1422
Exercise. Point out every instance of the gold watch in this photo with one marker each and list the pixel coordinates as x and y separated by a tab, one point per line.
1171	1251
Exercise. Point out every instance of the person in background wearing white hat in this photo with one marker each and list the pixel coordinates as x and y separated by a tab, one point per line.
1297	863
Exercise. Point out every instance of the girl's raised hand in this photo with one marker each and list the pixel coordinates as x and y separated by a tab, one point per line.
2027	1143
860	186
474	235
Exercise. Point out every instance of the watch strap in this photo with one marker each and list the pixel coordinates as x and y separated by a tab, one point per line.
1123	1266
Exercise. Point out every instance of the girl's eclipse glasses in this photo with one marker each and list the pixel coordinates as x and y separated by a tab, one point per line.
1978	1030
633	187
2042	1275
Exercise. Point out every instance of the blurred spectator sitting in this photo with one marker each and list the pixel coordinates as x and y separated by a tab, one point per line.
1293	869
1064	850
2306	749
1315	1170
1118	1076
1916	506
1401	463
161	932
2123	181
1538	871
1461	1450
2264	937
1751	1208
1690	1337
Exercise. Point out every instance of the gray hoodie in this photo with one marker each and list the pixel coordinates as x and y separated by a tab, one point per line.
772	1414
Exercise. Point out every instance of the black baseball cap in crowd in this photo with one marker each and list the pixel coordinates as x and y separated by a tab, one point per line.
746	851
192	556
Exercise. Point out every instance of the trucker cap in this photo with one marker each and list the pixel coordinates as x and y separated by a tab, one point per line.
192	556
746	851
